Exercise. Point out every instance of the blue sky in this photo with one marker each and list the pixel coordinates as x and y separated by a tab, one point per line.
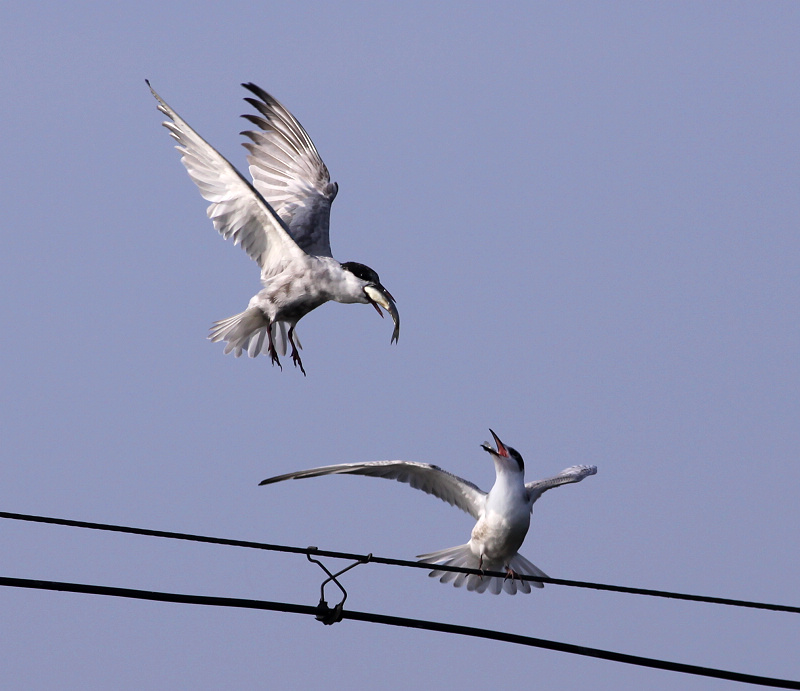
588	214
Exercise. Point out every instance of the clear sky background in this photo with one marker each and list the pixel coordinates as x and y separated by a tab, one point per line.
588	214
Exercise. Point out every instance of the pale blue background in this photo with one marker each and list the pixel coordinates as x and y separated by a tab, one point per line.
588	213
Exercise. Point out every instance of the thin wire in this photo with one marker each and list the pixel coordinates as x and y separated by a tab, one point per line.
442	627
394	562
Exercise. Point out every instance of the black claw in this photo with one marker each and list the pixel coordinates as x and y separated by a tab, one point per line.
274	356
271	350
295	355
298	362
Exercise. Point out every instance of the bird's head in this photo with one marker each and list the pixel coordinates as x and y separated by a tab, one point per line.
375	294
504	456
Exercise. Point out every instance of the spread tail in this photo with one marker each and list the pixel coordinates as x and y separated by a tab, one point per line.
463	557
245	331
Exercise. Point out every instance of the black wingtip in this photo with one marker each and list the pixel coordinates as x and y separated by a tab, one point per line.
254	88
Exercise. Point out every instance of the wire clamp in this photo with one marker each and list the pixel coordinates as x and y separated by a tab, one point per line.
331	615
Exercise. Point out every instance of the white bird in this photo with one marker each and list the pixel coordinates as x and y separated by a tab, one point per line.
281	220
503	515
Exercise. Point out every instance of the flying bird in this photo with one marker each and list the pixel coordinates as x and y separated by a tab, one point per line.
503	515
281	220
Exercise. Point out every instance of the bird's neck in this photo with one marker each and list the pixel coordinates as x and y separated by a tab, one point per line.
508	486
337	284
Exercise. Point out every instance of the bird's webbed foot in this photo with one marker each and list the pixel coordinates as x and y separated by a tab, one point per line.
274	357
296	360
273	354
295	355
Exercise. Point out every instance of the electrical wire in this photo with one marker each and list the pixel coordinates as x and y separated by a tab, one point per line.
393	562
426	625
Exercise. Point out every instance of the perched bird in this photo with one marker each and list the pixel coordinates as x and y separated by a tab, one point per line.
281	220
503	515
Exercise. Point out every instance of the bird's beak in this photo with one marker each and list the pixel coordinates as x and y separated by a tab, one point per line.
501	449
378	295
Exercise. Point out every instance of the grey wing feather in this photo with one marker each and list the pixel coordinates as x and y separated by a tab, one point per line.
574	473
423	476
288	172
237	209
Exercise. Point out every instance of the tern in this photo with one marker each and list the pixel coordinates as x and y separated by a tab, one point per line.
281	220
503	515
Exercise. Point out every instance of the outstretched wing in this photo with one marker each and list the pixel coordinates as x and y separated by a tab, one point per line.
288	172
237	209
574	473
424	476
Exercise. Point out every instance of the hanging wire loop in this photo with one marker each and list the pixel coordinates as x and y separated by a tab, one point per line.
331	615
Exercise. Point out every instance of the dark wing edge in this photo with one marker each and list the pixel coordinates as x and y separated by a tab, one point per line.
574	473
289	173
422	476
237	209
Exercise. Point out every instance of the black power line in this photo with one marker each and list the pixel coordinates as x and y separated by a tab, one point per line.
442	627
391	562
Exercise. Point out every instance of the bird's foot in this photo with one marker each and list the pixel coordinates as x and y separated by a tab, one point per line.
296	359
510	574
273	354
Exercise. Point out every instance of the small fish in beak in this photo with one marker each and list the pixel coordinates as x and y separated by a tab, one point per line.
378	295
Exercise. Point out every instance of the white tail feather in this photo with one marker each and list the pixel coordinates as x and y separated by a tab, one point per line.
243	331
247	332
462	556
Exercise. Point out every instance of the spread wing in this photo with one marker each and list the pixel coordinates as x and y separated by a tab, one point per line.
237	209
423	476
574	473
288	172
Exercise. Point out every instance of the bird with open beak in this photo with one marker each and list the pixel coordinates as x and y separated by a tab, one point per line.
502	515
